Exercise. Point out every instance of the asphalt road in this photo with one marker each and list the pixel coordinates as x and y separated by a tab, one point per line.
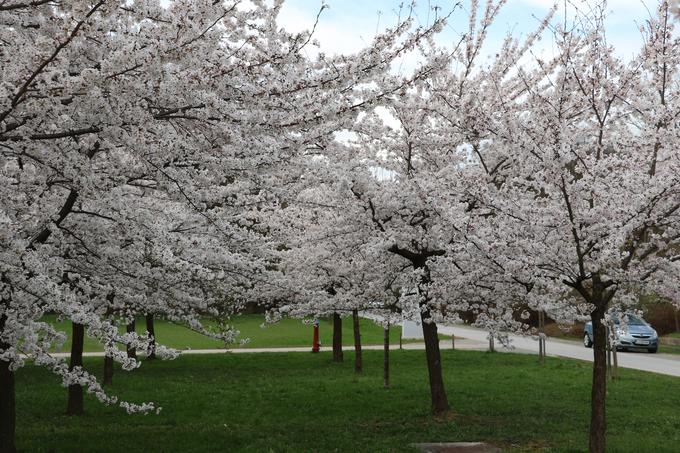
657	363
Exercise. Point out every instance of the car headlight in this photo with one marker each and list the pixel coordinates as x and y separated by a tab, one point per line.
654	334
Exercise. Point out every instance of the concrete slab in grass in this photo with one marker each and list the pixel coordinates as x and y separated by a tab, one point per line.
457	447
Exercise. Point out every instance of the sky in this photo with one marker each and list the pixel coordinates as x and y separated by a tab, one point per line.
348	25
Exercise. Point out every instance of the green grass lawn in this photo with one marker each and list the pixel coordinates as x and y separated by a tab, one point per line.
287	332
301	402
671	348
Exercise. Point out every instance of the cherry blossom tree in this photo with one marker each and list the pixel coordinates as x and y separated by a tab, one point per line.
201	104
330	259
578	178
422	212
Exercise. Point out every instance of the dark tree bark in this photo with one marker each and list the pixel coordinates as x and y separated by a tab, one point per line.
337	338
598	424
75	391
7	408
151	353
108	360
108	370
386	358
440	402
358	362
7	389
597	293
7	399
130	328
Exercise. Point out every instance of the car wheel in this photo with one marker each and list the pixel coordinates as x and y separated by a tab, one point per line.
652	350
587	342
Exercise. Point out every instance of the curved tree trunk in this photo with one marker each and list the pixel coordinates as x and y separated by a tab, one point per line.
337	338
599	387
130	328
151	353
386	357
440	402
75	391
358	362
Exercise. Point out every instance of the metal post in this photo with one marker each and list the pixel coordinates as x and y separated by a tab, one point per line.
609	354
615	359
541	337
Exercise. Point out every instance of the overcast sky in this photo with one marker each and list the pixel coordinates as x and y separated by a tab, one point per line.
348	25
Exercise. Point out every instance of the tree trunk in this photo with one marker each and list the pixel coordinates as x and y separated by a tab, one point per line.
440	402
599	387
130	328
386	357
108	370
358	363
677	320
337	338
492	348
75	391
151	353
7	399
7	389
7	407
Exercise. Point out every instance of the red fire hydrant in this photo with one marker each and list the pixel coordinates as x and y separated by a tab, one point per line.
315	344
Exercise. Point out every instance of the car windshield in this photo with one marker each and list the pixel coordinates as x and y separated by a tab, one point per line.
631	320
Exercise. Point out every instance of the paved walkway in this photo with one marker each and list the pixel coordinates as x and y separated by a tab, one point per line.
460	344
476	339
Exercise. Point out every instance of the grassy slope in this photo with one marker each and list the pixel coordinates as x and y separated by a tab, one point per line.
302	402
288	332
